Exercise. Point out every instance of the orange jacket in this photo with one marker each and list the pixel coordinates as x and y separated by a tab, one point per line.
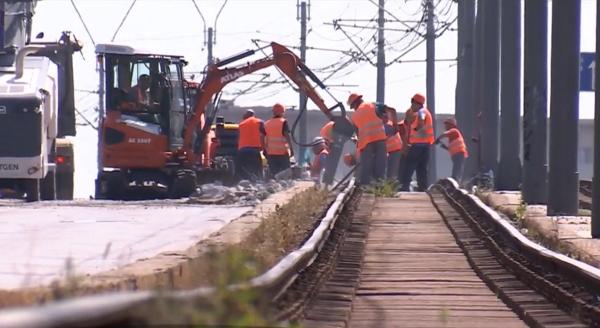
393	142
327	131
316	167
425	134
250	133
370	126
275	142
456	142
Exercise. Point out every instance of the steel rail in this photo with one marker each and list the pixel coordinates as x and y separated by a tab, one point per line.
116	308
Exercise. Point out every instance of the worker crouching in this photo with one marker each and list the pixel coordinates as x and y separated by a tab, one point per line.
278	141
394	147
368	122
251	142
320	151
456	147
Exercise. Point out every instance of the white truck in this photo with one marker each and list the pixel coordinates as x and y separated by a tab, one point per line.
36	109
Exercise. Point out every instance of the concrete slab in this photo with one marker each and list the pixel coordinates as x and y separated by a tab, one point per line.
570	235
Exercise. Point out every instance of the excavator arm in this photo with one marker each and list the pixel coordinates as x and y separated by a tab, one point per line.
218	77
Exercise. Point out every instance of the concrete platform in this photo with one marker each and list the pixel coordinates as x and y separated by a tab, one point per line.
570	235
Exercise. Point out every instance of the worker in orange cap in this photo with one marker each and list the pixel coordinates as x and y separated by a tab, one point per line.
368	122
394	147
456	147
250	143
278	141
420	137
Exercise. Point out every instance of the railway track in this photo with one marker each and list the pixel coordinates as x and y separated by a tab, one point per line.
441	259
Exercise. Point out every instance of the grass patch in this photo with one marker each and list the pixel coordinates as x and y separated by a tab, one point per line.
383	188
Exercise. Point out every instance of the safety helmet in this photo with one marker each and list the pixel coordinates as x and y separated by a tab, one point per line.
418	98
353	98
349	159
278	109
318	141
451	121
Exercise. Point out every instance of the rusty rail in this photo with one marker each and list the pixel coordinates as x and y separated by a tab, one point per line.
120	308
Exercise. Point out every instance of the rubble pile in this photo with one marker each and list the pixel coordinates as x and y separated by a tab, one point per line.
244	193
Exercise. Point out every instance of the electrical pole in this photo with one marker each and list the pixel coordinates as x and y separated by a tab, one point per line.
535	102
596	176
2	25
430	44
464	79
209	46
509	168
491	85
381	54
303	99
563	177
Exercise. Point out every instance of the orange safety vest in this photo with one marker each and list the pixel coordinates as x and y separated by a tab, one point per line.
250	133
394	142
456	143
316	166
275	141
370	126
425	134
327	131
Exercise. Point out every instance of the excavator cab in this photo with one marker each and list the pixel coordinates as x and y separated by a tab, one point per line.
144	101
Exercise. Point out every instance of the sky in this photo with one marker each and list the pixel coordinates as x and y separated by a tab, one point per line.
175	27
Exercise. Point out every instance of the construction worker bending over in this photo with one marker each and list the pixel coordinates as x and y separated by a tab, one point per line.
321	153
456	147
368	121
327	133
420	138
278	141
250	144
393	146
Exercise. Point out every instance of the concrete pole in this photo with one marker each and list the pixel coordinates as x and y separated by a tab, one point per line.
464	80
509	167
535	102
209	46
563	177
2	25
472	165
596	176
491	85
381	53
430	44
303	99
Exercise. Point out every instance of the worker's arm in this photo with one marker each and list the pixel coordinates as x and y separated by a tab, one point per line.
288	138
263	133
393	116
443	135
420	119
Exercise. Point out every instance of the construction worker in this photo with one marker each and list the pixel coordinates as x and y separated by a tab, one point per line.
140	93
420	137
368	121
456	147
319	148
327	132
394	147
278	141
403	137
250	143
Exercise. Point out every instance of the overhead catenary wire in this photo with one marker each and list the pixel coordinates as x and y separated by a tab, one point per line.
123	21
87	30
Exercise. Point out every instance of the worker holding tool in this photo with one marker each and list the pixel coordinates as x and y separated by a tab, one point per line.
368	122
278	141
319	148
250	143
420	136
456	147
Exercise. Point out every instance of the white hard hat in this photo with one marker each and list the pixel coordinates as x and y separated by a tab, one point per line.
318	141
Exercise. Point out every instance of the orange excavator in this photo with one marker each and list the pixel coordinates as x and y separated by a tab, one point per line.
153	134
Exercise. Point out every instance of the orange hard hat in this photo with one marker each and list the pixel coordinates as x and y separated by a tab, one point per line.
353	98
418	98
278	109
451	121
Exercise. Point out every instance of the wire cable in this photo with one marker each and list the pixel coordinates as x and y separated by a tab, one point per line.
83	22
123	21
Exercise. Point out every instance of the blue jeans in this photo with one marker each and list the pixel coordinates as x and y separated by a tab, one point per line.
417	159
393	166
373	160
458	161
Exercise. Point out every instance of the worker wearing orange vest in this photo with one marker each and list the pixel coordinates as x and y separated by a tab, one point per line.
394	147
368	122
420	137
278	141
456	147
327	132
250	143
319	148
